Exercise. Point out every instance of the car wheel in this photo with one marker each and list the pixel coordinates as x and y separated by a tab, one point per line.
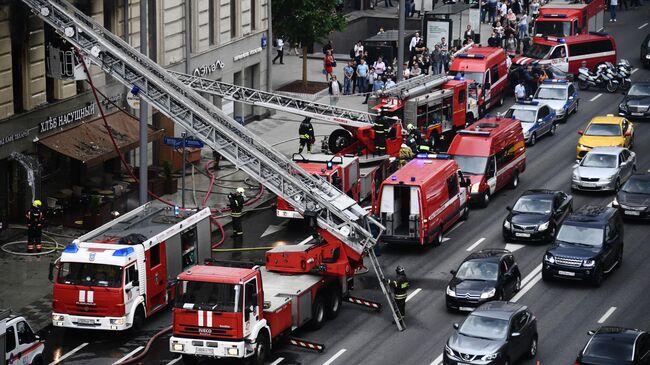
551	234
501	101
553	129
617	185
486	199
533	139
631	142
138	320
261	351
597	280
518	284
575	109
620	258
438	241
465	213
546	277
515	180
532	350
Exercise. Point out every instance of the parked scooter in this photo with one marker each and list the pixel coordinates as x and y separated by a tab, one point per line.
604	77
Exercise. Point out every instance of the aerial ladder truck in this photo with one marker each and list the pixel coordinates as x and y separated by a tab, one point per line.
346	232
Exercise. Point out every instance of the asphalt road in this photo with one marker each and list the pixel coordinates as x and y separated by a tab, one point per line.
565	311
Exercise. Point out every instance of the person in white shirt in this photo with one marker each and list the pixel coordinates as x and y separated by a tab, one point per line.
379	66
520	91
503	10
407	71
416	70
414	41
279	46
358	51
334	90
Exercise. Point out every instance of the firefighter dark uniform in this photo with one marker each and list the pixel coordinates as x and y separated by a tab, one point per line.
381	127
236	204
413	139
306	134
400	287
35	220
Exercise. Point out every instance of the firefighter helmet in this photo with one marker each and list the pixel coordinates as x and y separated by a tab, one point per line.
37	203
410	127
399	270
240	190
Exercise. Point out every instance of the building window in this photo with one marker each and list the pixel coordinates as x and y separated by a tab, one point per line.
213	21
254	13
234	18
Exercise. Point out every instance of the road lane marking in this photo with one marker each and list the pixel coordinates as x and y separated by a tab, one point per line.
279	360
606	315
596	97
526	288
634	70
127	356
438	360
176	360
336	356
512	247
456	226
643	26
60	359
531	275
470	248
415	292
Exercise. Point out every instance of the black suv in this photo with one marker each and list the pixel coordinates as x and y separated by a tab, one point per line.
633	200
486	275
588	245
616	346
636	103
536	215
495	333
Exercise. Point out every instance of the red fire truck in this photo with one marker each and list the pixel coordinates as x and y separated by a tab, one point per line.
114	277
560	19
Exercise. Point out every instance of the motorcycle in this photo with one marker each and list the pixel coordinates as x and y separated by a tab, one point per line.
603	78
623	72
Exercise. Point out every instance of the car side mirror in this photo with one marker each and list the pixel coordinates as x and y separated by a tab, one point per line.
570	97
456	326
453	272
128	287
539	120
591	332
515	334
581	132
509	208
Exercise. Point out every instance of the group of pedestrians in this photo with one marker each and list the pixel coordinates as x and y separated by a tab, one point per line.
511	21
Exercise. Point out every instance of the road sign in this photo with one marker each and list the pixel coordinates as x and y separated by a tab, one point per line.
178	142
194	143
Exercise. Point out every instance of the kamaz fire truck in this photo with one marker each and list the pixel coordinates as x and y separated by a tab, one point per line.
561	19
116	276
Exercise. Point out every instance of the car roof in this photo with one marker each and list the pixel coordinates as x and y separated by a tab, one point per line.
594	214
553	86
607	150
498	309
643	176
608	119
542	192
488	254
618	332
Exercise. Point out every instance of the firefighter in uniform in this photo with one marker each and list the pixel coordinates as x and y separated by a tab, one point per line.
378	126
400	286
236	204
306	134
414	138
35	220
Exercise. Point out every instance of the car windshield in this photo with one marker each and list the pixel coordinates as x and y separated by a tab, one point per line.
603	347
555	28
537	50
477	270
585	236
639	90
524	115
527	204
469	75
484	327
637	186
90	274
599	160
550	93
603	130
471	165
199	295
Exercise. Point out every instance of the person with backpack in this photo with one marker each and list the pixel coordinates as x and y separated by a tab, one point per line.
279	46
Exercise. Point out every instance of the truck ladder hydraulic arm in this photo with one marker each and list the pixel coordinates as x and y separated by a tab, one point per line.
348	117
337	213
406	89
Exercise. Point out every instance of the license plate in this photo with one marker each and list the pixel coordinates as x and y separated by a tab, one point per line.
204	351
465	309
588	184
632	212
637	114
86	321
522	234
566	273
462	363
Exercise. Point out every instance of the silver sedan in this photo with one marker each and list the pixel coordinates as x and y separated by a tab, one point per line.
604	168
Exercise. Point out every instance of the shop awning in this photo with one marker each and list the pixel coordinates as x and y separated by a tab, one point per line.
90	143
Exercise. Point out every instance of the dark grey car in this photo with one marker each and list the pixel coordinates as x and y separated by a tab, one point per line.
496	333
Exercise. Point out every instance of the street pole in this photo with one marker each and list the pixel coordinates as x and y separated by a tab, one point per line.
400	40
144	160
269	48
184	136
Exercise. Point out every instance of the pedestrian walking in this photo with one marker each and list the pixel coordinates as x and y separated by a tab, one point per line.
612	10
334	89
35	221
236	204
306	135
400	288
279	47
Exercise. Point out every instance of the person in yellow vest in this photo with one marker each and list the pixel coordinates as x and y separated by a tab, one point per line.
35	221
306	135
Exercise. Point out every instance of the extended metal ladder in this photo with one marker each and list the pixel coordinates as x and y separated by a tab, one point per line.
269	100
404	89
336	212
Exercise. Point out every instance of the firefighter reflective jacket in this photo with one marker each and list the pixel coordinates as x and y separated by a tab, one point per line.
306	130
399	286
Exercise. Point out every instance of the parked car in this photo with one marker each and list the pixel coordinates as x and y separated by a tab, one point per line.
610	345
560	95
536	215
588	245
636	103
486	275
633	200
536	119
604	131
604	168
495	333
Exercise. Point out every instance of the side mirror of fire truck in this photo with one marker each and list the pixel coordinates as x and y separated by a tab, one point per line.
465	183
128	287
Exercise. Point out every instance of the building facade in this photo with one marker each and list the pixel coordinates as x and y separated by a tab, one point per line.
45	152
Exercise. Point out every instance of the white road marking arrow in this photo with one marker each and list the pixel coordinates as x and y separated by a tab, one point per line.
512	247
272	228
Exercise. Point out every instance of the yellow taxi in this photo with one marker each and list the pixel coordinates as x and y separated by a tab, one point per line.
605	131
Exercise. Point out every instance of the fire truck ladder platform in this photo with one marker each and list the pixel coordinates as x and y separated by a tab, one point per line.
336	213
349	117
399	89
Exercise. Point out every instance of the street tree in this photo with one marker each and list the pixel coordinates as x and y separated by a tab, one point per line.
306	22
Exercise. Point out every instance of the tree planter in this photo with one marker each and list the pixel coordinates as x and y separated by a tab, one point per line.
171	185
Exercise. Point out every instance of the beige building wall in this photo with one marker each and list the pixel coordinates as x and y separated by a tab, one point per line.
34	65
172	46
6	78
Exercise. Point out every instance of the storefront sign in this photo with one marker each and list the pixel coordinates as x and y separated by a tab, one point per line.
208	69
67	118
14	137
247	54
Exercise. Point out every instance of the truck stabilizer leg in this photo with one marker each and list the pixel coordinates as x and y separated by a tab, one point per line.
307	344
365	303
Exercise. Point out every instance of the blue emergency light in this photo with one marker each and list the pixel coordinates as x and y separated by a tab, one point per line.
465	55
123	252
527	102
555	39
71	248
459	78
393	178
436	156
330	165
135	90
412	178
556	81
554	15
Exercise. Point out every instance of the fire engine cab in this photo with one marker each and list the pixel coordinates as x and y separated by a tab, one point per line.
560	19
114	277
492	153
422	200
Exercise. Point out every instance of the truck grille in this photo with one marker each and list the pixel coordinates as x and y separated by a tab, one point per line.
194	331
567	261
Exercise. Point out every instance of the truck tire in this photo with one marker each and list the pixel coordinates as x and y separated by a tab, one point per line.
261	351
334	300
515	180
338	140
439	238
190	359
37	361
138	319
317	313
